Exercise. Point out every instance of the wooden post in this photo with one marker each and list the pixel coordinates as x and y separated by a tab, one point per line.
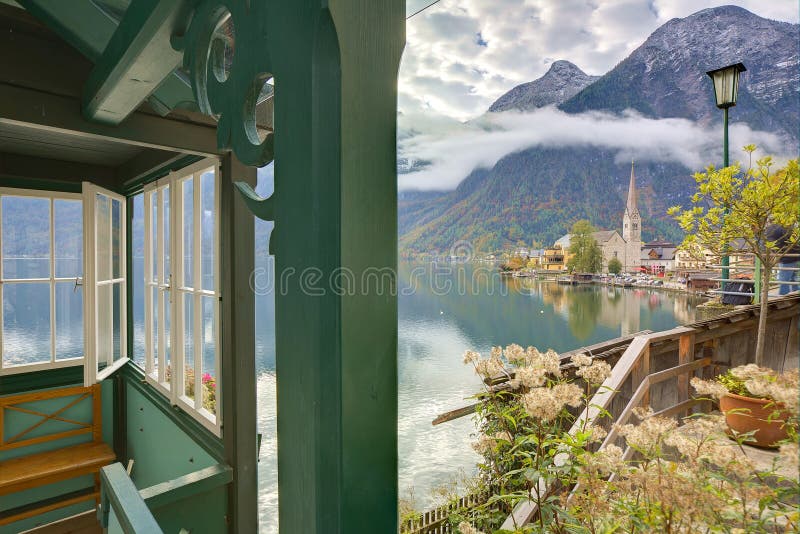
685	355
640	371
238	380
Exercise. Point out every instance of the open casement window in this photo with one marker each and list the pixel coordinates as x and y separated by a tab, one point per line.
181	299
105	323
41	273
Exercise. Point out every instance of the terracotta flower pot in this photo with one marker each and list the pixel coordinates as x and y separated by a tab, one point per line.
754	415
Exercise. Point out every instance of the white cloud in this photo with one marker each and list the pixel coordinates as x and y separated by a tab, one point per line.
447	70
455	151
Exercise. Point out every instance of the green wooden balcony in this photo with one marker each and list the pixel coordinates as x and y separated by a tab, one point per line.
130	135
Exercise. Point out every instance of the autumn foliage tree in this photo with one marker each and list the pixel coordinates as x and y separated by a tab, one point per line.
732	211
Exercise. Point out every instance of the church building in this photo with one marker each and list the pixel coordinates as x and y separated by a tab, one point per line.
626	247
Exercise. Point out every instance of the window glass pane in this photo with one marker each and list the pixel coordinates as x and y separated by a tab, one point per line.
154	236
26	237
116	238
26	323
102	247
154	326
68	222
166	341
116	322
137	250
207	230
165	214
209	377
103	335
69	320
188	232
188	345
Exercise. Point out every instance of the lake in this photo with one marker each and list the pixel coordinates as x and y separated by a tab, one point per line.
445	309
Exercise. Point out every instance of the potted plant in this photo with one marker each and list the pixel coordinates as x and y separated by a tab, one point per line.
756	401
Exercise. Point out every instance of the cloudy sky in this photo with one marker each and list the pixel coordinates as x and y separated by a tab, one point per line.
461	55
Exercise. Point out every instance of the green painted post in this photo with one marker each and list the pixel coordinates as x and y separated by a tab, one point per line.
335	66
238	381
725	258
371	36
336	212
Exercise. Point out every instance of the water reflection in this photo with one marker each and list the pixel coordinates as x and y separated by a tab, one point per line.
443	311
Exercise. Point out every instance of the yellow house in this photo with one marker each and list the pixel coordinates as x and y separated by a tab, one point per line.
555	258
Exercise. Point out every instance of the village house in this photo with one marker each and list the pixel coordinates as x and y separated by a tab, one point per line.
658	257
554	259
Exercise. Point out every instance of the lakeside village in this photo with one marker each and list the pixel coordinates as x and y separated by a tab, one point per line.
692	429
590	256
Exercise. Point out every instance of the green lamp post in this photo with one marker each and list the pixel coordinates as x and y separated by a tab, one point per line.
726	89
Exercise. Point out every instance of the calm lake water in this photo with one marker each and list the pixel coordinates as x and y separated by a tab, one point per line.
444	310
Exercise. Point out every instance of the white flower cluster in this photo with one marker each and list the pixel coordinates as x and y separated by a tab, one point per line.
534	366
596	373
649	433
581	360
546	403
703	438
708	388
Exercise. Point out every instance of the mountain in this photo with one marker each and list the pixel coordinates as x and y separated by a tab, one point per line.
537	193
561	82
665	76
514	201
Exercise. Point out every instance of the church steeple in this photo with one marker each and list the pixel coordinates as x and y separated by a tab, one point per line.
631	206
632	221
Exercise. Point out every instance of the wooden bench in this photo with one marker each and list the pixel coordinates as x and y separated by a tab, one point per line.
34	470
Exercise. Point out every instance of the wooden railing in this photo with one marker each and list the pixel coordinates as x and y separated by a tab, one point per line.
642	375
120	495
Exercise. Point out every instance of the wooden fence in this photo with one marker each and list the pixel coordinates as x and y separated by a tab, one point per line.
435	521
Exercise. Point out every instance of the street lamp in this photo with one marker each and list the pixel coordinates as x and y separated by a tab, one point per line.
726	89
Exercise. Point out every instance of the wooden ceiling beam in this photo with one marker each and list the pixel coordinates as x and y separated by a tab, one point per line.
59	113
135	62
24	171
89	29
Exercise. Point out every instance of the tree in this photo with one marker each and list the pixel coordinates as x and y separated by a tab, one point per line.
614	266
735	208
585	253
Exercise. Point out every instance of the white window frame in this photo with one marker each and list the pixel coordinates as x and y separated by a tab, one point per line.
52	196
174	389
90	314
155	374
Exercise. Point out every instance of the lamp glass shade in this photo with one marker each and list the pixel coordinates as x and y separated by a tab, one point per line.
726	84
